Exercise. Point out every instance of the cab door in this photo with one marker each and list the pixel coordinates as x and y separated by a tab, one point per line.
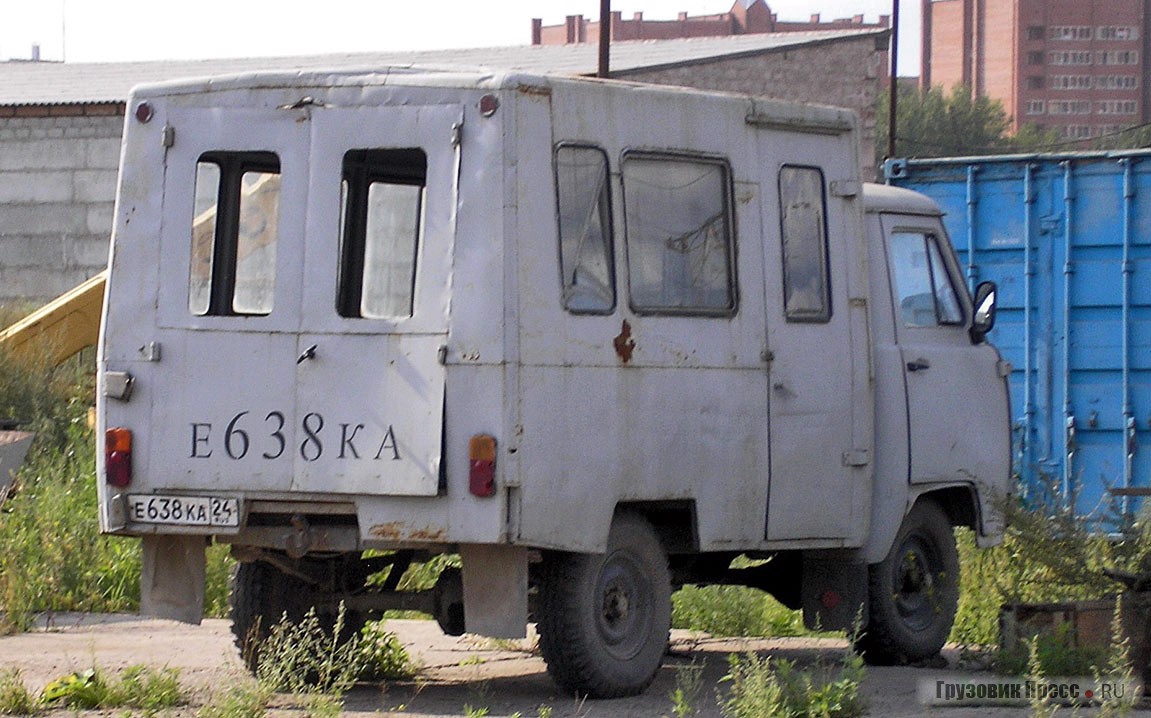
956	392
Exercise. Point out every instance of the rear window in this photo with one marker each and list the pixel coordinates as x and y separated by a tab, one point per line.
234	234
380	227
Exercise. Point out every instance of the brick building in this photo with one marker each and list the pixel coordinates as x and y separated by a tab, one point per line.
746	17
61	123
1077	66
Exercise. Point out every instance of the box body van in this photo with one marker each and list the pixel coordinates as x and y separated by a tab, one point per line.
597	338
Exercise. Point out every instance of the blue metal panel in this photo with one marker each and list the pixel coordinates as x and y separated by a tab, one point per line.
1068	240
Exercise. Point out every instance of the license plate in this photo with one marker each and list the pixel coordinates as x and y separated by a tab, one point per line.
184	510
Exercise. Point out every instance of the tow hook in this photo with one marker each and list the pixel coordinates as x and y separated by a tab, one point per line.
299	541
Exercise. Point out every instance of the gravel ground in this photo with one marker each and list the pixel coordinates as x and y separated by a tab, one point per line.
506	678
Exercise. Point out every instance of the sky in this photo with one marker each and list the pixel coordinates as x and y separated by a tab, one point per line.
130	30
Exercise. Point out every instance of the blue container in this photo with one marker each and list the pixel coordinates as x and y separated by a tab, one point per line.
1068	239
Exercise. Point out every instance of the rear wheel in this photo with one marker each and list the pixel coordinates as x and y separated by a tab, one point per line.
605	617
914	592
262	595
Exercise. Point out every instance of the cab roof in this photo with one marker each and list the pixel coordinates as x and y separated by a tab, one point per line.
885	198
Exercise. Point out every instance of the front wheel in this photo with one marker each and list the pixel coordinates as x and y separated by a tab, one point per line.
914	592
605	618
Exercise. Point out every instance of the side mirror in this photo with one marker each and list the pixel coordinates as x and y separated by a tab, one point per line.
984	318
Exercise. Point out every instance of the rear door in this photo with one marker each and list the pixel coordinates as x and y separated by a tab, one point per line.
299	330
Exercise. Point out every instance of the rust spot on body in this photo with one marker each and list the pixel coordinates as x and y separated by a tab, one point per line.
624	343
391	531
427	534
397	531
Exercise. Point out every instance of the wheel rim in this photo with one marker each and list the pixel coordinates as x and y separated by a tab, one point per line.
915	584
624	606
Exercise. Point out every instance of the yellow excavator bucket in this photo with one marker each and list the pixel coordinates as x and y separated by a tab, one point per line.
61	327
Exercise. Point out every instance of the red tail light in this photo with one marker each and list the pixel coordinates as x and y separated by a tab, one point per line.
482	476
118	457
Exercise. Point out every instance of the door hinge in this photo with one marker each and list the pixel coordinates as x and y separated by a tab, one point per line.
856	457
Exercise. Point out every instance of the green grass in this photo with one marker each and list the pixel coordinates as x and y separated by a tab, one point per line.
761	686
15	698
140	687
55	558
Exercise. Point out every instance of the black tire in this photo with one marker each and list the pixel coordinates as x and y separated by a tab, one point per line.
605	618
914	592
261	595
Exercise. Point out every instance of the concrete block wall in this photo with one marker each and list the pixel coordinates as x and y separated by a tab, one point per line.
844	73
57	190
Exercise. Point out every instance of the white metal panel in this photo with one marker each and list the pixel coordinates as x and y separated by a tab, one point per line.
820	391
684	417
363	413
956	389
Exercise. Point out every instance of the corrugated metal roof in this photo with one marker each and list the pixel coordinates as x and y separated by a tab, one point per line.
47	83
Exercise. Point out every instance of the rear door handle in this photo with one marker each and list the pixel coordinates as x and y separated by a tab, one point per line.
918	365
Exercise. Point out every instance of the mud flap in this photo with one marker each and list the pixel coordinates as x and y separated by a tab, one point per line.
834	590
172	578
495	590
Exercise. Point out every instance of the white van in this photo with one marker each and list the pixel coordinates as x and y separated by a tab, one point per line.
597	338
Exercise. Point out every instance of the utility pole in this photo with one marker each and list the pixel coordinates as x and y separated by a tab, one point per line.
605	38
893	90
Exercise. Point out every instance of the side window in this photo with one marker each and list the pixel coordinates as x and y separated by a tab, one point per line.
803	229
237	200
381	220
924	289
679	235
584	209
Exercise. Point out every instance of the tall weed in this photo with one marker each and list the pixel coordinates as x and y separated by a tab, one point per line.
762	686
54	557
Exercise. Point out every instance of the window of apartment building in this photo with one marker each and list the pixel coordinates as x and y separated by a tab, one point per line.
1069	107
1117	32
1069	32
1035	82
1069	82
1035	57
1118	57
1036	107
1105	130
1070	57
1035	32
1116	82
1115	107
1075	132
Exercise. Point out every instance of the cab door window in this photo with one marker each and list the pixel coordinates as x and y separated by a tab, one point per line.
925	291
